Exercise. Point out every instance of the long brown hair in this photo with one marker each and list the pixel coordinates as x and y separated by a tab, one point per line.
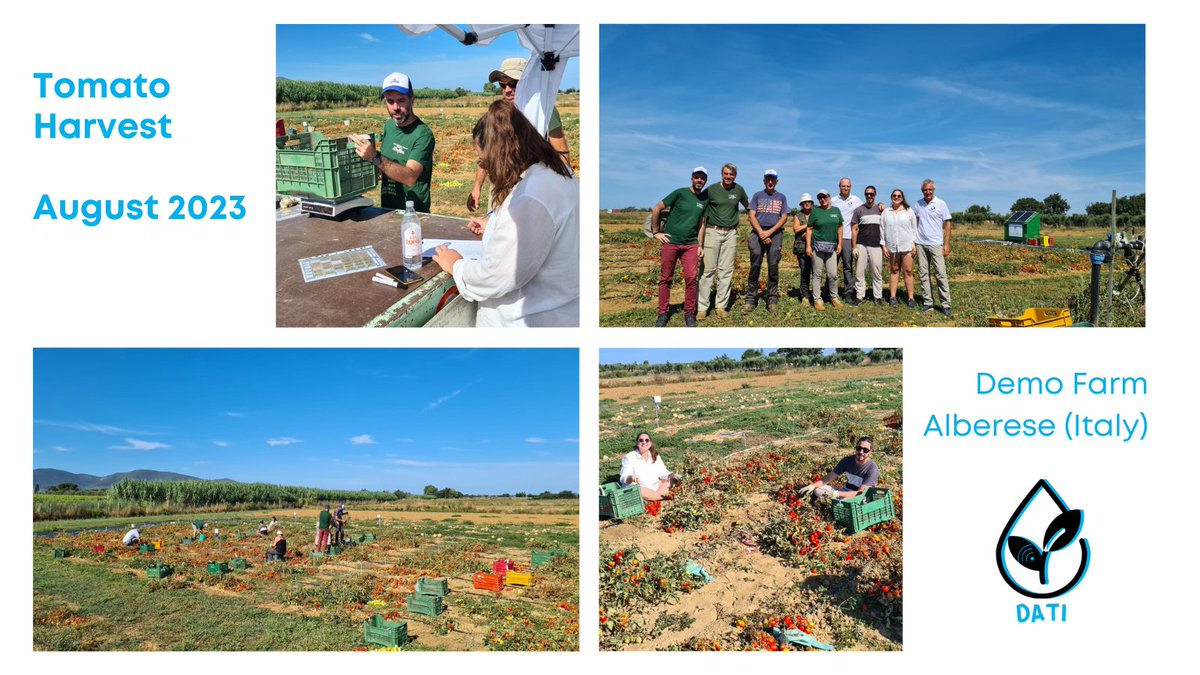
509	145
653	448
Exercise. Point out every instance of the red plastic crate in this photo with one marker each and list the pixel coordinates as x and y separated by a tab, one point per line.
489	582
502	567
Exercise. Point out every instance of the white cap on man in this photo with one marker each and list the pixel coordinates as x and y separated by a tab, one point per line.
771	173
700	169
397	82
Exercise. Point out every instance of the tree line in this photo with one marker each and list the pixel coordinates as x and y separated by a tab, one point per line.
757	360
1131	212
336	93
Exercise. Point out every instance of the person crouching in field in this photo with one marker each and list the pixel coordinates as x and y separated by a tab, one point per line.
278	549
644	467
682	238
860	470
132	537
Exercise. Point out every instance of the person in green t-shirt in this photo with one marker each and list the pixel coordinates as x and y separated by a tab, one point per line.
823	245
405	156
507	77
720	239
323	521
682	237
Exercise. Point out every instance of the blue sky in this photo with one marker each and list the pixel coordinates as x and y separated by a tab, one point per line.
478	420
627	356
990	112
365	54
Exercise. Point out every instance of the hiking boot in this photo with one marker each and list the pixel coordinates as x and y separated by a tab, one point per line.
818	305
723	313
854	302
926	308
805	302
689	320
772	306
750	305
662	320
835	302
947	312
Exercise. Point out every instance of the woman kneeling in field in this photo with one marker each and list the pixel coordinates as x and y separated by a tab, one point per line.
528	274
644	467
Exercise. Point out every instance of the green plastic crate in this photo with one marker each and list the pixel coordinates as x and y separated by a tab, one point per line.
146	548
312	165
187	541
865	510
618	502
159	571
237	564
389	634
438	587
60	553
366	538
217	568
333	550
539	558
429	605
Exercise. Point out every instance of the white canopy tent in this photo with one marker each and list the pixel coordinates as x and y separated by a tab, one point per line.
549	45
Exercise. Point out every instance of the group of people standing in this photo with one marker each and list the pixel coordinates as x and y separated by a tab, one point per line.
700	227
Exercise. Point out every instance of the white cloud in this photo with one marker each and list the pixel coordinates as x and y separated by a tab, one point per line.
221	444
534	439
234	414
412	462
570	440
443	399
135	444
286	440
363	439
367	37
59	448
88	426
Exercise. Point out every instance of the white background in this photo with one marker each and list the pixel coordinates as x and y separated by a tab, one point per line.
201	284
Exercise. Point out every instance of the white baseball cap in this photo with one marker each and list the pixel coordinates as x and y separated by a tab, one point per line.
397	82
771	173
822	191
700	169
805	198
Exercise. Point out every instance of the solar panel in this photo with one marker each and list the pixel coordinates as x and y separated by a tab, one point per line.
1022	216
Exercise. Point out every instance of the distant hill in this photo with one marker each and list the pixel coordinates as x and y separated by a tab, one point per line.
48	478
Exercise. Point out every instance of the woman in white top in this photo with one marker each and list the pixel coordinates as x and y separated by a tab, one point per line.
644	467
899	240
528	274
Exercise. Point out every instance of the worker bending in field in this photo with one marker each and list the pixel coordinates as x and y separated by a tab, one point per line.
132	537
405	156
278	549
860	471
339	525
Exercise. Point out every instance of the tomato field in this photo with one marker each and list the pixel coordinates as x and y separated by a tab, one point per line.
97	595
734	557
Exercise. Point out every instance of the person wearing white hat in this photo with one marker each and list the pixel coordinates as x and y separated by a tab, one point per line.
823	245
405	157
846	202
768	213
682	238
800	229
507	76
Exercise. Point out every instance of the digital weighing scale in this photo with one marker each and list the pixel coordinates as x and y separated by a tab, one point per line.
331	209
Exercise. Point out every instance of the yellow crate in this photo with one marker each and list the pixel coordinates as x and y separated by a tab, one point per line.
157	544
518	578
1034	317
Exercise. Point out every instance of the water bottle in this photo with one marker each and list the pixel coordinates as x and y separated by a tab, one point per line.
414	243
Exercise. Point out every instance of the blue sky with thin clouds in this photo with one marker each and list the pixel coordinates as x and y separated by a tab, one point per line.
990	112
483	421
365	54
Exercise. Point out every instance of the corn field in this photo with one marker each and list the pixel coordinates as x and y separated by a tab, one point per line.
208	493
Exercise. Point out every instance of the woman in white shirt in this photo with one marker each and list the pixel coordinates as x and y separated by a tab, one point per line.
899	240
644	467
528	274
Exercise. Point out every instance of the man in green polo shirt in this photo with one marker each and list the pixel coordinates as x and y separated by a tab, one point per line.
681	237
405	157
823	245
720	239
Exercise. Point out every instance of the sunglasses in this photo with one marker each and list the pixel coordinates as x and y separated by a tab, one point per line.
507	85
897	197
870	194
863	449
643	440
